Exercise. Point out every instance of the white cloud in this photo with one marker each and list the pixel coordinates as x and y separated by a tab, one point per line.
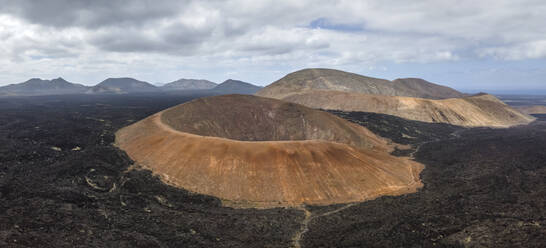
533	49
217	36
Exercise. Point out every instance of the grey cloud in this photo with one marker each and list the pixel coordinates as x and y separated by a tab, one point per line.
272	48
276	32
184	35
90	14
138	43
176	39
126	43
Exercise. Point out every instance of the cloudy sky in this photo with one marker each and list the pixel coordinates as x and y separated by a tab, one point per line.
496	46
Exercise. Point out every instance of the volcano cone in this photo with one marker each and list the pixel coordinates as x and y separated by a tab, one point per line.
264	152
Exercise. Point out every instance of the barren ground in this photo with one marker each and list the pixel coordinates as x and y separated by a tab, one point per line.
63	184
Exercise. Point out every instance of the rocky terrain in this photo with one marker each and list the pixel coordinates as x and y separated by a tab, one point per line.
492	196
256	151
64	184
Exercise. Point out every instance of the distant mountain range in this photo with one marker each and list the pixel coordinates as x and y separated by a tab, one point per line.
409	98
59	86
36	86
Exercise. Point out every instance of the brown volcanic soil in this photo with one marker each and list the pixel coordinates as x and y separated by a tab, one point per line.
251	118
295	168
329	79
410	98
472	111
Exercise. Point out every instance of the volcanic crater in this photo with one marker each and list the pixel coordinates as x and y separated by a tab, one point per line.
253	151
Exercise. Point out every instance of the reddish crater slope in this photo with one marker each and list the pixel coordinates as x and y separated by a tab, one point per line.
218	146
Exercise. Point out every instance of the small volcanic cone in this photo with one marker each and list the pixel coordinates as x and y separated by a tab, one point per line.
254	151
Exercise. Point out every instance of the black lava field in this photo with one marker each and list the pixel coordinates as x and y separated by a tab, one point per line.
64	184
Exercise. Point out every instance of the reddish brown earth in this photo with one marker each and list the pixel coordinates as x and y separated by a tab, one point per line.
309	164
251	118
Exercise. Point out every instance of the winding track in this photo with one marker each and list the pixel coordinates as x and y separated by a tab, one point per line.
309	216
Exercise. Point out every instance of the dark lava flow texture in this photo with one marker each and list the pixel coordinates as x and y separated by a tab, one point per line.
63	184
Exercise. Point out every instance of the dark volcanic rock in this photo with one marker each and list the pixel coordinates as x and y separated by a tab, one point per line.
485	189
63	184
400	130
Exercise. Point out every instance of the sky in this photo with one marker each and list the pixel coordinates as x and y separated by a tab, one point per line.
496	46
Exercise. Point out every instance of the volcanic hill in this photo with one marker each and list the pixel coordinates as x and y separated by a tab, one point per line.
336	80
413	99
231	86
264	152
36	86
471	111
123	86
189	84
